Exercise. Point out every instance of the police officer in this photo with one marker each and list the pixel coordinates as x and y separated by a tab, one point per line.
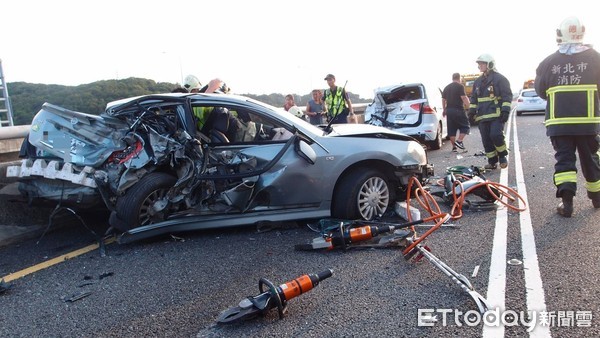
569	80
339	106
490	106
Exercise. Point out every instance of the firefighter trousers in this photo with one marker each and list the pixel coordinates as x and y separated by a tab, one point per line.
492	137
565	169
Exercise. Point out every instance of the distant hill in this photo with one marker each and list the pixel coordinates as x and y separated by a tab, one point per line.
27	98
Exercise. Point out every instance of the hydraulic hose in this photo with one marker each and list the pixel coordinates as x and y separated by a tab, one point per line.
496	190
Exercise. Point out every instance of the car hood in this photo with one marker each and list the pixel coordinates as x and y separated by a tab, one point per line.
367	130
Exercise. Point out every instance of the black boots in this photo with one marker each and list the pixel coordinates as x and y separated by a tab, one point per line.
596	201
565	208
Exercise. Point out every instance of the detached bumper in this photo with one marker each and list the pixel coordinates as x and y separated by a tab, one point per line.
54	170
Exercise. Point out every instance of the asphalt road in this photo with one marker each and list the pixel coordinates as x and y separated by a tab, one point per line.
178	285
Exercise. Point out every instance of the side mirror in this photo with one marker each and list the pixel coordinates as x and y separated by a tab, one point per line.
306	151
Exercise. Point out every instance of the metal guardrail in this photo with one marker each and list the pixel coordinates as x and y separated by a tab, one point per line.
13	132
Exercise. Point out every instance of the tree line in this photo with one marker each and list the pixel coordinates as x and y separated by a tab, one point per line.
27	98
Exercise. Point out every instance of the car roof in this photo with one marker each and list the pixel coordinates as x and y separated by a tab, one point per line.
212	96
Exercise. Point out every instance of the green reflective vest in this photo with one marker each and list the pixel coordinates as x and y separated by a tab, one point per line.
335	103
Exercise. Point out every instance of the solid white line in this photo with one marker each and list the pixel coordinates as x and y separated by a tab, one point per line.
496	292
533	278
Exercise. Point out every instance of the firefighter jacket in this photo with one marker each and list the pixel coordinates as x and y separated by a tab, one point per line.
491	96
570	85
336	102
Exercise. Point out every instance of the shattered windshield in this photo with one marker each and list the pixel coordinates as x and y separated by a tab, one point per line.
402	94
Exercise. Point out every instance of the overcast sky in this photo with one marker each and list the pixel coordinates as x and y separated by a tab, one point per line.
270	46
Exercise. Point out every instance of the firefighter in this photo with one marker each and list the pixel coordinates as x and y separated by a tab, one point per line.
569	80
192	84
490	107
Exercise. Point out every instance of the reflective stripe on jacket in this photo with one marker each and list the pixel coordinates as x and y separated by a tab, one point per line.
335	103
582	116
491	95
570	85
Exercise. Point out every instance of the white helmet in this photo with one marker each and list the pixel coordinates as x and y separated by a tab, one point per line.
191	82
487	58
296	111
570	31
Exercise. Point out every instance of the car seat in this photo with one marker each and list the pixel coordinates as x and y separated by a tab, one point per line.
216	125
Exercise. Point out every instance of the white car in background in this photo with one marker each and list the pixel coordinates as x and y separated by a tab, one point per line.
529	101
407	109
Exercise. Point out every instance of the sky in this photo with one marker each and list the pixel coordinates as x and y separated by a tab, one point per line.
285	46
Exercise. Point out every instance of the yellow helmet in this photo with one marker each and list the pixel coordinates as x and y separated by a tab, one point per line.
191	82
570	31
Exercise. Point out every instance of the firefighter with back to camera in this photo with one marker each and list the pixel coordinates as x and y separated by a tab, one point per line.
569	80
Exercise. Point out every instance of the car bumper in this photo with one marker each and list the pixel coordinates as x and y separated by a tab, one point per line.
423	133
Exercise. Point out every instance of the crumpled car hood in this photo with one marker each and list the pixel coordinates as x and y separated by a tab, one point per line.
367	130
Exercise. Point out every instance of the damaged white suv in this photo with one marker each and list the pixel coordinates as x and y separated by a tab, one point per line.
406	108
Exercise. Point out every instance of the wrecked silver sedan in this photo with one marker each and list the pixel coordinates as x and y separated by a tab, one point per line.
177	162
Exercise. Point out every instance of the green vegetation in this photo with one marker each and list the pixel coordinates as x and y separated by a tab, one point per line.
27	98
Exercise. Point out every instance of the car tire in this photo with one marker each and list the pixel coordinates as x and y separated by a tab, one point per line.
133	208
519	113
437	143
362	194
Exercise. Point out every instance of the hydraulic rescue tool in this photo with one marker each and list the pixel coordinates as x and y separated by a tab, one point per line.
344	236
461	280
462	181
273	296
347	234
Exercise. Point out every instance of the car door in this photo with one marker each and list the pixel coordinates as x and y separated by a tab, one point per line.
263	155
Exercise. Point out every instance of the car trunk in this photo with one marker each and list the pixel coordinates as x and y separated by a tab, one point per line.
400	106
75	137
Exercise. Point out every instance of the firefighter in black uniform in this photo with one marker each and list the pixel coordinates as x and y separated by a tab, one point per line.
569	80
490	107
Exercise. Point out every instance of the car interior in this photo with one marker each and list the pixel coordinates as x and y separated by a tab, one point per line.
226	125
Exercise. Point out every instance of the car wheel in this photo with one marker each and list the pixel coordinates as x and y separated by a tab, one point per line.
437	143
519	113
135	208
362	194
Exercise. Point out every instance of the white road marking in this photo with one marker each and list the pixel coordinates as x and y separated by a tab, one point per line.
533	278
496	294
